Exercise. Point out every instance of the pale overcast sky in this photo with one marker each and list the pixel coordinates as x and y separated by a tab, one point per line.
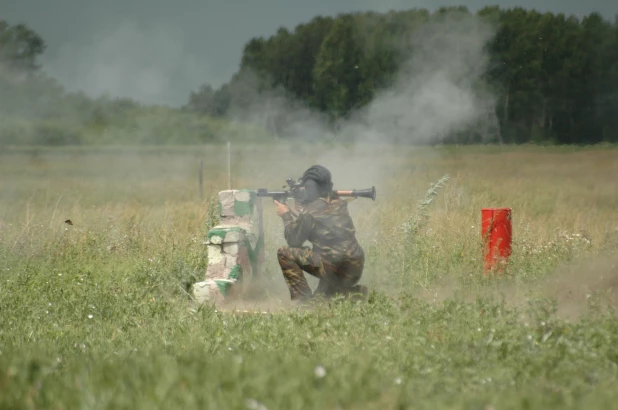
158	51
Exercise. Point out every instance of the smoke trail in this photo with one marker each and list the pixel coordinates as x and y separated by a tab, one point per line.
438	91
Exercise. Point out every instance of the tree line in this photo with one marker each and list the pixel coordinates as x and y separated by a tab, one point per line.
554	79
554	76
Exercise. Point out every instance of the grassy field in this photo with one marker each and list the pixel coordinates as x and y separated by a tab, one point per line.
94	315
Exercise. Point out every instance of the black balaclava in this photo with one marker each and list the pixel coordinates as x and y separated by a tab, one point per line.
317	182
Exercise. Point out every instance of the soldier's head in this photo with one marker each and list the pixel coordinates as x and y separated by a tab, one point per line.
317	181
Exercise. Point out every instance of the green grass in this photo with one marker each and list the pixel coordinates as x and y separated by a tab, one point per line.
96	314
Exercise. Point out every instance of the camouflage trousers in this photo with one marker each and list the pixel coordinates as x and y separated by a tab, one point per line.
335	277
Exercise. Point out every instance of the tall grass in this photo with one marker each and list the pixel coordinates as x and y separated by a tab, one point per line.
95	314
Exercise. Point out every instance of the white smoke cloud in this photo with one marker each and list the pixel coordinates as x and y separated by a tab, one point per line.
127	60
437	91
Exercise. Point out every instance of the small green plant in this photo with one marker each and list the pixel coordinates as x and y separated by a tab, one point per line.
420	216
213	214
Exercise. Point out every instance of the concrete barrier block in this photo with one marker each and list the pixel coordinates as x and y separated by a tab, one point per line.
235	246
235	273
215	240
214	254
224	288
242	196
213	290
225	233
201	292
245	263
230	260
233	236
231	248
244	201
227	201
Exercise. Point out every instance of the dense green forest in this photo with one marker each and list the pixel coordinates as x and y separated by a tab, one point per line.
554	77
530	77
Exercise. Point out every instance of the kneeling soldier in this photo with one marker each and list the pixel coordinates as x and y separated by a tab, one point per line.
336	259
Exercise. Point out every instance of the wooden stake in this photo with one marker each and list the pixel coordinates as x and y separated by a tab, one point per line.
229	166
200	177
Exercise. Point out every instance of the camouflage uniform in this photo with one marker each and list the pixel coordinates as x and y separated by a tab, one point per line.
336	259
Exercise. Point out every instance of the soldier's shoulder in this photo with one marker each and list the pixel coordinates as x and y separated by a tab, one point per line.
317	206
321	206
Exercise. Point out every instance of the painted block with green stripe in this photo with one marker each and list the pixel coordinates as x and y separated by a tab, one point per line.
235	246
244	201
237	202
225	234
212	290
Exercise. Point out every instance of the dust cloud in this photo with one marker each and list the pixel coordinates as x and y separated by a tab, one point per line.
577	288
437	91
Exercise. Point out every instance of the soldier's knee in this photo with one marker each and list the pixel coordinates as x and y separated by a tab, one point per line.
283	253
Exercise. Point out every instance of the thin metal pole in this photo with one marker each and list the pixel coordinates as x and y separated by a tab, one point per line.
229	166
201	179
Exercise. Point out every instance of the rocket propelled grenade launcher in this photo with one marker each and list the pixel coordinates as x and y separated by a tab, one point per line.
294	192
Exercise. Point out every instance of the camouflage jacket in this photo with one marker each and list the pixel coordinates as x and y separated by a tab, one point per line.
329	228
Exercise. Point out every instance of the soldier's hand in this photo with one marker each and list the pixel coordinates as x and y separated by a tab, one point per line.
282	209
